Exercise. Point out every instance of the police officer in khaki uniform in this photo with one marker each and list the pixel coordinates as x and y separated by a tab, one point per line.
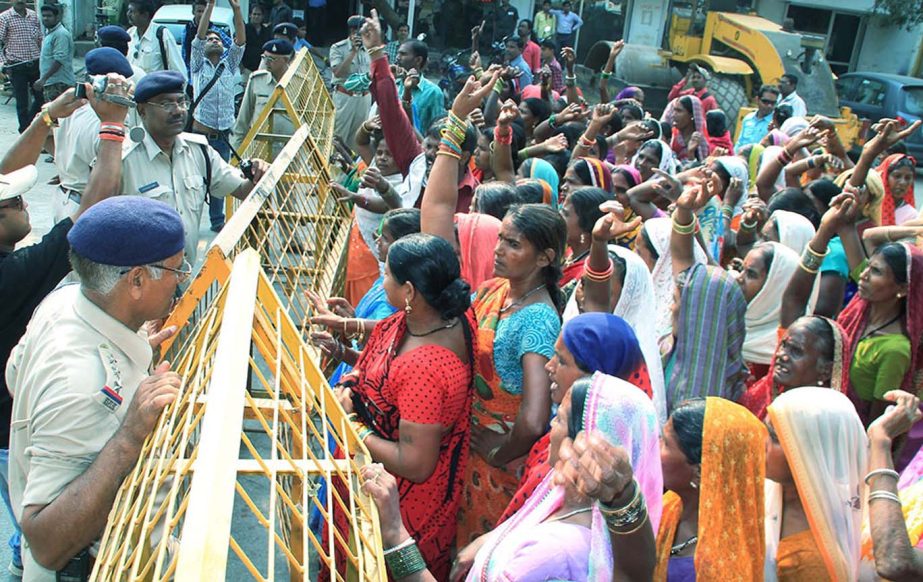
172	166
351	67
84	397
277	56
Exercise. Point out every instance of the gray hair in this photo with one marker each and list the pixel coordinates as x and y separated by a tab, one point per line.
99	277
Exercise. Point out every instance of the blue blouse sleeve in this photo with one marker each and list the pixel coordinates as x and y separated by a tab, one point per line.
538	328
835	261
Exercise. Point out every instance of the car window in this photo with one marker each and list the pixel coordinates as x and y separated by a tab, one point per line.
846	88
913	100
871	92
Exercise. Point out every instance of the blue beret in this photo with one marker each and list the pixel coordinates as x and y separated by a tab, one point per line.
286	28
158	83
127	231
279	47
104	60
113	33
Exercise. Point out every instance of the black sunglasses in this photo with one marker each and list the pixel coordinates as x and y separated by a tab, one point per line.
15	203
768	101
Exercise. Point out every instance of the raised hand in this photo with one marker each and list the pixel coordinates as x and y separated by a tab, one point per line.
371	31
569	57
636	132
612	225
322	314
695	197
594	467
472	95
616	48
412	80
898	418
888	133
843	212
804	138
477	118
508	112
602	114
475	60
554	144
570	113
373	179
734	192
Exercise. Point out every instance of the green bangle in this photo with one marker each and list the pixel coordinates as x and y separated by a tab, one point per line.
499	85
551	121
606	75
405	561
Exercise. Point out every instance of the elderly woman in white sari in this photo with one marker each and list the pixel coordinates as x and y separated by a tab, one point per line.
814	471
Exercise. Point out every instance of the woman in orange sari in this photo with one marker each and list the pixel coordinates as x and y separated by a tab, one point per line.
713	455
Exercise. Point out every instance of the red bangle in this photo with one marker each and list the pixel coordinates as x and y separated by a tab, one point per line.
598	276
111	136
503	138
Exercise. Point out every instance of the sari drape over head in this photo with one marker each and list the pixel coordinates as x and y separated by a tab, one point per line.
477	239
678	142
887	201
516	550
764	309
658	231
539	169
730	531
707	358
795	231
667	159
758	396
635	305
827	452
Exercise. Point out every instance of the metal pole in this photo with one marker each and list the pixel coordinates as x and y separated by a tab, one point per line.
410	14
577	38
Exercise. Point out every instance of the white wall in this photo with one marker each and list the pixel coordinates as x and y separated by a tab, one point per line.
888	49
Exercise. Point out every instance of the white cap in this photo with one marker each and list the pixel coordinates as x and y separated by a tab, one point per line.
17	183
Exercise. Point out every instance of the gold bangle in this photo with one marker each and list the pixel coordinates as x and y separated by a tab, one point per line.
806	268
632	530
46	118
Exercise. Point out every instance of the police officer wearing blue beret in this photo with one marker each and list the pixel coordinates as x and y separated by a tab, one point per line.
177	168
77	141
117	38
30	273
277	56
85	398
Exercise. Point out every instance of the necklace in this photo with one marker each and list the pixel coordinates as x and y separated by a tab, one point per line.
571	513
575	257
881	327
519	301
675	550
449	325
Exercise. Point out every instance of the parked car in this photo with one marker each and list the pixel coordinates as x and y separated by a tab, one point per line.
873	96
176	16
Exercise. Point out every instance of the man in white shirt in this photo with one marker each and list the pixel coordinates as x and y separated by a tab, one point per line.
151	48
787	87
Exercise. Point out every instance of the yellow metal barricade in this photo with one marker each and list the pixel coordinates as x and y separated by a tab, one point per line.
300	99
226	482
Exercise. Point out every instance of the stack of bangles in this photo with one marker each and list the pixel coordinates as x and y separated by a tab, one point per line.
811	260
784	158
598	276
879	494
631	515
499	86
570	80
376	51
360	328
728	211
361	429
453	135
404	559
112	131
686	229
503	138
478	72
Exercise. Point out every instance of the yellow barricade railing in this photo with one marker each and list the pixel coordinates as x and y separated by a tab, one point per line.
226	482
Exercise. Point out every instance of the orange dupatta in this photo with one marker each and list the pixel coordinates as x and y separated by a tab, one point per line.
731	539
488	490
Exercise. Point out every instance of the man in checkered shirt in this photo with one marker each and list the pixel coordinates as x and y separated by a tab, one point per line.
21	38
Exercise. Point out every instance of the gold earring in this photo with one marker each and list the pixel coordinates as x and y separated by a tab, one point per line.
582	238
407	306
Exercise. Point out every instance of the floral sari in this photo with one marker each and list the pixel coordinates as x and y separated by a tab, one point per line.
526	547
730	532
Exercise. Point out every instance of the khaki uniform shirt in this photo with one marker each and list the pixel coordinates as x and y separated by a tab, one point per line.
72	375
259	89
360	64
180	181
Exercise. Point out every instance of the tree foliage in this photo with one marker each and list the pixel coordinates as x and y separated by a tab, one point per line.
902	13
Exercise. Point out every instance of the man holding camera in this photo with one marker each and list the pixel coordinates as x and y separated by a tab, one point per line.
178	168
21	37
351	71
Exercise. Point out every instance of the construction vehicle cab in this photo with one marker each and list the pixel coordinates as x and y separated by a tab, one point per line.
742	51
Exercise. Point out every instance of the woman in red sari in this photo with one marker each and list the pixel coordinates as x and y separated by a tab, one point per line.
411	390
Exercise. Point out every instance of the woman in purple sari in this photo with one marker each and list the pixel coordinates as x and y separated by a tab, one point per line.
562	532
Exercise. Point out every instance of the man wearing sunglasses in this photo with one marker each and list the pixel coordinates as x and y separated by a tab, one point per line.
30	273
85	398
177	168
276	58
755	125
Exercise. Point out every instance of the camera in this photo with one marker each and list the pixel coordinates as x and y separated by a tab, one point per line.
246	168
99	83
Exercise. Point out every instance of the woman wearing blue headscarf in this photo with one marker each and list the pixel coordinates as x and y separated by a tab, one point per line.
590	345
